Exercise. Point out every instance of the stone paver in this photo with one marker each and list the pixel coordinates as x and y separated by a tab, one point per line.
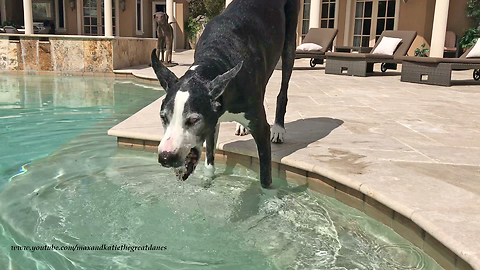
414	148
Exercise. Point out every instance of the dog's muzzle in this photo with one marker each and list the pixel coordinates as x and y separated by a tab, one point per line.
183	167
169	159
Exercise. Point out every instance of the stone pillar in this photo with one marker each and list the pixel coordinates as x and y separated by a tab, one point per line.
315	13
28	16
108	18
439	28
227	2
171	15
171	19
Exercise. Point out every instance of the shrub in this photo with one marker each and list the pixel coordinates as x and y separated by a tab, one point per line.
470	37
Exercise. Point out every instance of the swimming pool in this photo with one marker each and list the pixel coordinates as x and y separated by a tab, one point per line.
64	182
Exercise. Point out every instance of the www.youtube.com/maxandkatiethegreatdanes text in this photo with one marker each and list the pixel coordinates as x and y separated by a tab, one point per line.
103	247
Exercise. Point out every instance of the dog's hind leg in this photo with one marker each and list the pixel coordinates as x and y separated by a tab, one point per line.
211	144
288	58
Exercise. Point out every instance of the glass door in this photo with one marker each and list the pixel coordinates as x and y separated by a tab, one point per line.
94	18
328	14
385	17
305	18
372	17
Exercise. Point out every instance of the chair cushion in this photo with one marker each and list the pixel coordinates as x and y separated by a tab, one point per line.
475	51
387	46
308	47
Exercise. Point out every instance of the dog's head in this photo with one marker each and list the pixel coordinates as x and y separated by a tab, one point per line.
161	18
189	113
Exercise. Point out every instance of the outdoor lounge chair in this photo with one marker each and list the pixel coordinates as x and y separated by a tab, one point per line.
321	36
360	64
437	71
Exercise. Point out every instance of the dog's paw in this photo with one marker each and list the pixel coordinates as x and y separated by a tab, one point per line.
209	170
277	134
240	130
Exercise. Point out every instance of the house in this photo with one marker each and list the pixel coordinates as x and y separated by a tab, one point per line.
130	18
360	22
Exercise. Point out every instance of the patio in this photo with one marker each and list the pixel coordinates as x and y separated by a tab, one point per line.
400	152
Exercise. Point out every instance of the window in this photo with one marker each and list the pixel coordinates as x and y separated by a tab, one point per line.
328	14
60	18
139	17
372	17
305	18
42	11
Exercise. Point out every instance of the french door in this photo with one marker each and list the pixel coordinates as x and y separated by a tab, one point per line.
94	18
372	17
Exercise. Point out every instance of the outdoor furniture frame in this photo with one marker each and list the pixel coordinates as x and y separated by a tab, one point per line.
361	64
437	71
320	36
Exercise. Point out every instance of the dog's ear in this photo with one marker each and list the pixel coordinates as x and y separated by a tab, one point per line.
218	85
164	75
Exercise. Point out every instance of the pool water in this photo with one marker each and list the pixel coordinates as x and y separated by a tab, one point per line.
63	181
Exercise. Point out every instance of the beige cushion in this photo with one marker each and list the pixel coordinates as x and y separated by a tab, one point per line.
308	47
387	46
475	51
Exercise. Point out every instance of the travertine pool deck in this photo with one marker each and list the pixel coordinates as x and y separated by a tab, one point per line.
413	148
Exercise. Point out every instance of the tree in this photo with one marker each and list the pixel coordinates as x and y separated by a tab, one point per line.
207	8
214	7
473	12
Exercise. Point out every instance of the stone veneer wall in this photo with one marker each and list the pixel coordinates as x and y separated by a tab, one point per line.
72	54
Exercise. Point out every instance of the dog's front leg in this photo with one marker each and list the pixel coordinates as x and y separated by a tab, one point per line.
210	145
261	134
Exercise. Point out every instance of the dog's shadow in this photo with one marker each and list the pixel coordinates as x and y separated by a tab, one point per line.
300	134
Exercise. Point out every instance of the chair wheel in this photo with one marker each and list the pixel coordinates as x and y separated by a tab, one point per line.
383	67
476	74
312	62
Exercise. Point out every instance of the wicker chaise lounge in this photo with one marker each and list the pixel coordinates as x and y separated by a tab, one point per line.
320	36
361	64
437	71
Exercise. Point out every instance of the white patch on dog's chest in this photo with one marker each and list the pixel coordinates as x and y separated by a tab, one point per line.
234	117
193	67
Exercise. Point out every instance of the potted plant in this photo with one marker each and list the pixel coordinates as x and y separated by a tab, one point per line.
422	52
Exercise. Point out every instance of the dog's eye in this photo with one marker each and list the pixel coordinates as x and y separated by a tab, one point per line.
192	120
164	118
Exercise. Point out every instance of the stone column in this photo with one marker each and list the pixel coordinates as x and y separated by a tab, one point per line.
171	16
315	13
28	16
171	19
227	2
439	28
108	18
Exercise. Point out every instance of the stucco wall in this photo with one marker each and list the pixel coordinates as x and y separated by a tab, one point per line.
458	21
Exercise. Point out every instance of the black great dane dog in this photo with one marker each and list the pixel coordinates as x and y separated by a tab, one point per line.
234	59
